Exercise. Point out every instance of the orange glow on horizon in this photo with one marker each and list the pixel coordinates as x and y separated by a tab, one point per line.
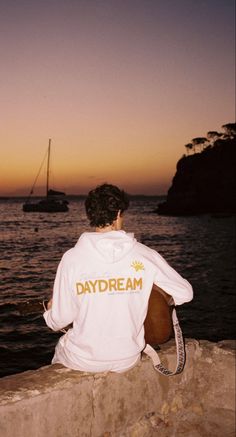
119	88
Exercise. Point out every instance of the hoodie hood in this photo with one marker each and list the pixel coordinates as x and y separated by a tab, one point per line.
108	246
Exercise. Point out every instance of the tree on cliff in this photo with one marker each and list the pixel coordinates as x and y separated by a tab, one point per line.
213	135
196	144
189	147
230	129
199	142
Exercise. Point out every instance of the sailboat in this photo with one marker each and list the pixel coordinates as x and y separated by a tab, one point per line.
53	201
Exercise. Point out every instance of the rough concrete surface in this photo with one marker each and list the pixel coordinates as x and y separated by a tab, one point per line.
57	402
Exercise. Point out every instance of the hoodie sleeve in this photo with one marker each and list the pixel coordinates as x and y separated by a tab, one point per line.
172	282
63	309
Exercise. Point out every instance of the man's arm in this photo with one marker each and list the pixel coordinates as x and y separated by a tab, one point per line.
171	282
61	308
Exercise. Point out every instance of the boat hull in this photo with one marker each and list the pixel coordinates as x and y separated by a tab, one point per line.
46	206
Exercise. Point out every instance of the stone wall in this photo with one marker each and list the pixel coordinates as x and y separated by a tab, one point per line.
57	402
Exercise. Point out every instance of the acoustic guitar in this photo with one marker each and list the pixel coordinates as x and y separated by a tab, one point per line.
158	323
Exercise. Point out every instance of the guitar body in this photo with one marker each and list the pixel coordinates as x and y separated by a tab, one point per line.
158	323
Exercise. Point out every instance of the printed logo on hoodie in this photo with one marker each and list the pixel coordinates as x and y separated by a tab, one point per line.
137	265
112	284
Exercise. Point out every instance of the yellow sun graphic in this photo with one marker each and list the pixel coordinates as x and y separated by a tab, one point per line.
137	265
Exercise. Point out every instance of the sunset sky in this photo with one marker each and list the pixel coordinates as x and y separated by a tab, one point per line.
119	85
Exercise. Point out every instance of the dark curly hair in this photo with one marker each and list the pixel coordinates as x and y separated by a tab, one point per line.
103	203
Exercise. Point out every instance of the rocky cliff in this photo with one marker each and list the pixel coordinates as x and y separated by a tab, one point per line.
204	182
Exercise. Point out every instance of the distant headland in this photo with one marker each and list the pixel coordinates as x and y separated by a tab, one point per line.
205	179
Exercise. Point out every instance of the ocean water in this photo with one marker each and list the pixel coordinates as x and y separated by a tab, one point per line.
201	248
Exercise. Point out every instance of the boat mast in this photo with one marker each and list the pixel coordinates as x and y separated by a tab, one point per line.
48	165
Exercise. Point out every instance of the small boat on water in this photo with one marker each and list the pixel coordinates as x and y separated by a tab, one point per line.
53	201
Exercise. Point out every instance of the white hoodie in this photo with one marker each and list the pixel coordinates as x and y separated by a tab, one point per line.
102	286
